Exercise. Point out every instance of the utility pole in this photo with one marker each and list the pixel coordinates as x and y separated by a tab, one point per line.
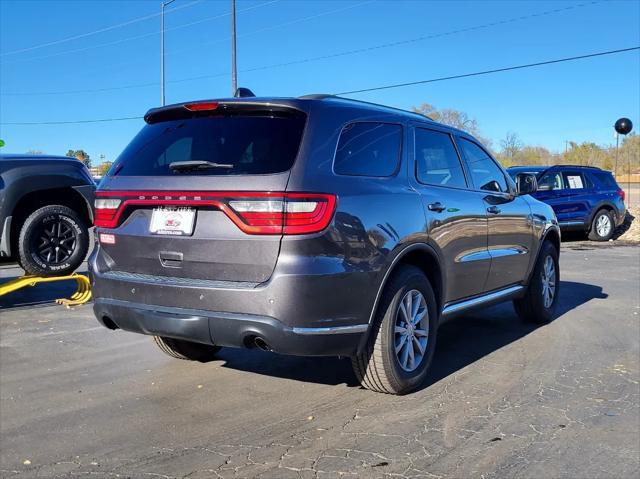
615	167
234	71
163	4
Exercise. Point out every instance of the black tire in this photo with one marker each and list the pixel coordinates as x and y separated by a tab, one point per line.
531	308
181	349
379	368
602	215
53	241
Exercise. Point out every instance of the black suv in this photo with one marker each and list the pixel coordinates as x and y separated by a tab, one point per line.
45	212
314	226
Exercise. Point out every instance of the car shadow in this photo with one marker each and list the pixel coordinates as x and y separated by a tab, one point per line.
461	341
582	236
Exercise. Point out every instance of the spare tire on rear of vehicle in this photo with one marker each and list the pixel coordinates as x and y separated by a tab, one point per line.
53	241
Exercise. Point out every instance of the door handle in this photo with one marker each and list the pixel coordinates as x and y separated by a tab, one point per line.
439	207
494	210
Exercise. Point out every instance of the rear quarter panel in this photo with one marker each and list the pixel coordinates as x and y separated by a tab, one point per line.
375	219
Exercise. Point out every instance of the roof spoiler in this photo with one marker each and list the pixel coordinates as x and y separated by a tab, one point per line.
218	108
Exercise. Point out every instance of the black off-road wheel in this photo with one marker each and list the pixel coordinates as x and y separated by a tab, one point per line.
53	241
602	226
539	302
186	350
402	340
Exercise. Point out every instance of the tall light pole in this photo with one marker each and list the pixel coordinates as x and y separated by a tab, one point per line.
234	71
163	4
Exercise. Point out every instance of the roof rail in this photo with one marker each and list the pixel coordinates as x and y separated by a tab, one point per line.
575	166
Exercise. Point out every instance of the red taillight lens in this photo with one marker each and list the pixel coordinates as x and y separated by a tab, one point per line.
106	211
294	213
621	194
253	212
202	106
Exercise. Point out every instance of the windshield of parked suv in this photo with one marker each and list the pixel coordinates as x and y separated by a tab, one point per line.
221	145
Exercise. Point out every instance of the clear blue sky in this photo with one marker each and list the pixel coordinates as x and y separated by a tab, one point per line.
576	101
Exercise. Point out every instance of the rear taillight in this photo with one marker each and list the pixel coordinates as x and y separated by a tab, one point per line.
621	194
106	211
253	212
294	213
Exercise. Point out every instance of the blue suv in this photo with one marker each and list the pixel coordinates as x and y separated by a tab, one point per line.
583	197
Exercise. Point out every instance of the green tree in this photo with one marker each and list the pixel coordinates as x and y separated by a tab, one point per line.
81	155
104	167
585	154
455	118
629	158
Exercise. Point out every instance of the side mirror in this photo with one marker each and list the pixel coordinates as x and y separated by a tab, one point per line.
526	184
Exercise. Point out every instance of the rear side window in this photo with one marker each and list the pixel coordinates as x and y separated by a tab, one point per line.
244	145
486	175
606	179
368	149
437	162
575	181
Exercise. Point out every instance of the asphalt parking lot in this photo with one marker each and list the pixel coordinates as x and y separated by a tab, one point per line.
503	399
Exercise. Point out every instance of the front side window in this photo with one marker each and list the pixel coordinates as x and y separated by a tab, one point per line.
551	181
368	149
486	175
437	162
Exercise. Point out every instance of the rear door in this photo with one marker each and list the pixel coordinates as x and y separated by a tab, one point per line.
219	221
456	217
509	217
579	198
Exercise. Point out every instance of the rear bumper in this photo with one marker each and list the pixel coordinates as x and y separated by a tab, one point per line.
313	308
227	329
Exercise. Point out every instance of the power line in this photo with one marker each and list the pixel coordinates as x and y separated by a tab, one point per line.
143	35
73	122
94	32
487	72
273	27
385	87
321	57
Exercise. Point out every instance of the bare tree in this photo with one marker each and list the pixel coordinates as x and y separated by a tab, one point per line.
455	118
511	145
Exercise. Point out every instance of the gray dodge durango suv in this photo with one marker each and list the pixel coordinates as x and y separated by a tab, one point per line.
314	226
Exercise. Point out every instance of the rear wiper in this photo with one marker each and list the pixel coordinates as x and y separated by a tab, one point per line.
197	165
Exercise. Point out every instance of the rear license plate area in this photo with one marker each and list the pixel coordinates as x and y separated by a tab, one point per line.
172	221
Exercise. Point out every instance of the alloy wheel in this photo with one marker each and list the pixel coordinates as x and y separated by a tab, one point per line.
603	226
548	282
55	241
411	330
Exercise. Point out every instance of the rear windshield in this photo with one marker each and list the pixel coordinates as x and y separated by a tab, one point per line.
244	145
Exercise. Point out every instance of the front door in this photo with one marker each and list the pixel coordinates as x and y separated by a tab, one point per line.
552	190
455	215
509	217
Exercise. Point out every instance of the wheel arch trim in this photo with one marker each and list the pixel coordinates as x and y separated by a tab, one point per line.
606	205
390	269
550	230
